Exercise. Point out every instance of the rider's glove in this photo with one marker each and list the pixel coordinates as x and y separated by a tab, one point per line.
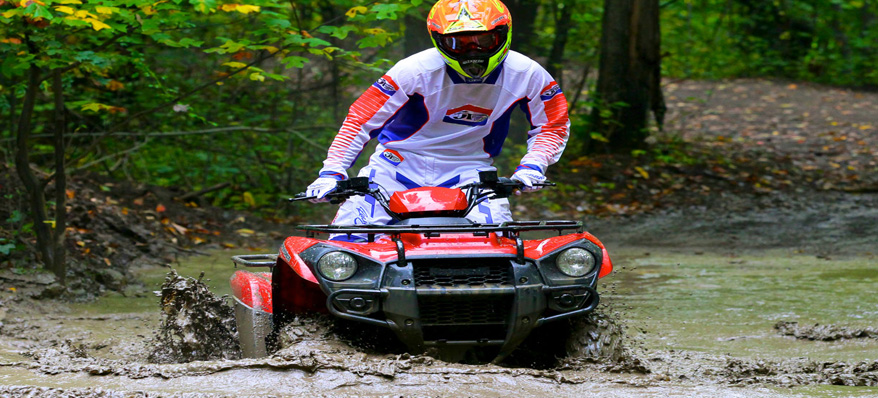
529	176
323	186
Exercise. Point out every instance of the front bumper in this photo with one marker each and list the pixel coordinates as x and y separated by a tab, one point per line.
436	302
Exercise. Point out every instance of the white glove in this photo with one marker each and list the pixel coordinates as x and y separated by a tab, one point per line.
529	178
320	188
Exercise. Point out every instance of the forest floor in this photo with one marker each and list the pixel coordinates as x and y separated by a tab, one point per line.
744	166
765	164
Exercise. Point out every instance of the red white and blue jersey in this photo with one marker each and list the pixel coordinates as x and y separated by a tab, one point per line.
432	124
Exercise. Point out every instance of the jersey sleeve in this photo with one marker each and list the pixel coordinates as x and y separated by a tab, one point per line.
550	122
367	115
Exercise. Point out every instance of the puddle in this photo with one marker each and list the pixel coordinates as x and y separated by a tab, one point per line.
697	325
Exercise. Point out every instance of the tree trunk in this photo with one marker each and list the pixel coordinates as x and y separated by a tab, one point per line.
329	12
629	80
33	187
524	14
13	105
555	65
59	263
416	38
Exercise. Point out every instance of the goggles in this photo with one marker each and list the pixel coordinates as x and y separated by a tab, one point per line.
462	43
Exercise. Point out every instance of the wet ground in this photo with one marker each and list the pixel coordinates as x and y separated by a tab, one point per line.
731	295
699	322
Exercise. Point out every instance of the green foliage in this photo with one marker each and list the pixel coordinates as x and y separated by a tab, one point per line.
195	92
826	41
252	93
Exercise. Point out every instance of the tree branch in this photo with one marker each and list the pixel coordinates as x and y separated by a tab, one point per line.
166	104
110	156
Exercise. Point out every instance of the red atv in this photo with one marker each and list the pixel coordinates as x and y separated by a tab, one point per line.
433	277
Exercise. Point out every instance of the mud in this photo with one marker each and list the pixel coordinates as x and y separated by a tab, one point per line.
800	372
45	392
196	325
617	351
824	332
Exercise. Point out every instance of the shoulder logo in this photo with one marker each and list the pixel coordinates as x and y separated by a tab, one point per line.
386	85
550	91
468	115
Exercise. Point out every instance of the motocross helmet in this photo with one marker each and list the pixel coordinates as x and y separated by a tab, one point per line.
473	36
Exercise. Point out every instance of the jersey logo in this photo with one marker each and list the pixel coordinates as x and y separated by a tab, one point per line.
386	85
550	91
468	115
392	156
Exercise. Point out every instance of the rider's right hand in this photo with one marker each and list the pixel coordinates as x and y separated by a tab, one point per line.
323	186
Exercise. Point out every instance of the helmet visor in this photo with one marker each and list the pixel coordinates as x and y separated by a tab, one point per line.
468	42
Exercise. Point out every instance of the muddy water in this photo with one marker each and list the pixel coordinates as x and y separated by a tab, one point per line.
702	324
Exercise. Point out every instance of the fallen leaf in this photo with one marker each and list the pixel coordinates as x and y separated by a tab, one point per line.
179	228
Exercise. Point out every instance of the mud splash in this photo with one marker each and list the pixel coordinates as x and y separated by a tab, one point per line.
46	392
801	372
824	332
196	325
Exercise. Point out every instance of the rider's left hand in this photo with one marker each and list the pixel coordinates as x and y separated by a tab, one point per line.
529	178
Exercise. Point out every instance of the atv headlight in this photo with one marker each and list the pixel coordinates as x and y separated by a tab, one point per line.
575	262
337	266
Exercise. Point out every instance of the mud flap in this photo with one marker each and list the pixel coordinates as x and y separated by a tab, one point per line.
254	326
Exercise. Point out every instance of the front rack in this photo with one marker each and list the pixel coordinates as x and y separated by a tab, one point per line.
509	229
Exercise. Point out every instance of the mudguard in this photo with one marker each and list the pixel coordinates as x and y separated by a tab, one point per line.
253	310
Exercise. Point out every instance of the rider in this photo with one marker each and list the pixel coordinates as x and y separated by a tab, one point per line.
441	116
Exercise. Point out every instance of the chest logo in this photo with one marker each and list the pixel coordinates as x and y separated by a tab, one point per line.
392	156
468	115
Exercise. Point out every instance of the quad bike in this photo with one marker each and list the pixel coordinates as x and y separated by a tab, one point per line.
433	277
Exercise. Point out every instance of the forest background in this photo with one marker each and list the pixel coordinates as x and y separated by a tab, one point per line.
238	102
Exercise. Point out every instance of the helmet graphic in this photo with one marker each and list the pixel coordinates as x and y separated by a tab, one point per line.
472	35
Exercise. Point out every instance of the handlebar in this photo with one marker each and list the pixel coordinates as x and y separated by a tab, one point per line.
489	186
343	189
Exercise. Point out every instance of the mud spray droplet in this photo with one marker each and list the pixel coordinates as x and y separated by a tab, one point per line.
196	325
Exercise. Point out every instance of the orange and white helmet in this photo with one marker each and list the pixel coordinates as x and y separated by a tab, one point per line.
472	35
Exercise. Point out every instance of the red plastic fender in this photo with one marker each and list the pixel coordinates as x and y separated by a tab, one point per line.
539	248
426	199
289	252
253	289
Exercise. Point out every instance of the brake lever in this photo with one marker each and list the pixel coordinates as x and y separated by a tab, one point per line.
300	196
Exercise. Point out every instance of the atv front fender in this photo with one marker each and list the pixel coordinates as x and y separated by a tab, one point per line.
253	310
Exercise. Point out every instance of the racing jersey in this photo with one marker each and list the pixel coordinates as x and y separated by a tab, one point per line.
427	116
